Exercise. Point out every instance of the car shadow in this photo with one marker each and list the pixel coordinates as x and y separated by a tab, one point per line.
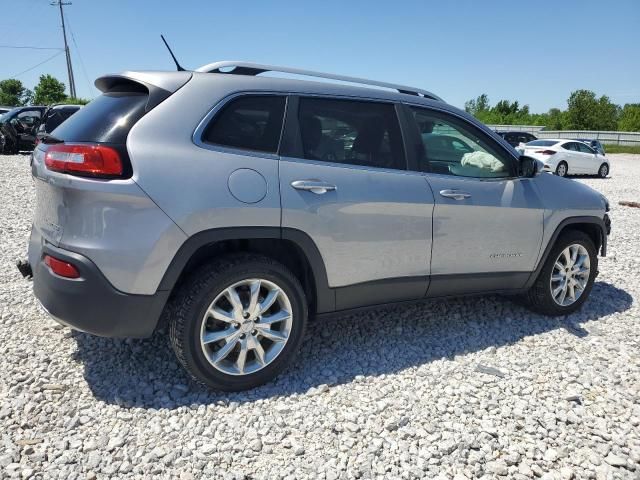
145	373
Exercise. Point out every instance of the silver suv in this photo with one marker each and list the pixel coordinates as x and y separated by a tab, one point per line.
234	205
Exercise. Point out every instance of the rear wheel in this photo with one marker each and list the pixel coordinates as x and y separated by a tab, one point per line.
566	279
562	169
603	171
238	322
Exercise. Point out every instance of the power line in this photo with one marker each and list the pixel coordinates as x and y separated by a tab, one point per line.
84	70
30	48
41	63
72	82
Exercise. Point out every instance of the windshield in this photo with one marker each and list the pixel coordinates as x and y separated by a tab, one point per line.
542	143
7	116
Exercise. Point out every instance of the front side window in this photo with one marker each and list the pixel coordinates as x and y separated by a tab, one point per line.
584	148
253	122
451	147
571	146
351	132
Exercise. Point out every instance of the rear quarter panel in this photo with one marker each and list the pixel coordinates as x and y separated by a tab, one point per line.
113	223
191	183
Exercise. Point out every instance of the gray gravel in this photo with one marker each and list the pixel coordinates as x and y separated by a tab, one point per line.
462	389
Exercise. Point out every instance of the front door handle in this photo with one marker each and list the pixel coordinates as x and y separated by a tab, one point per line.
455	194
314	186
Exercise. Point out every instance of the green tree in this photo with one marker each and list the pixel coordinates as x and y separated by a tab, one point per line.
49	90
608	114
13	93
586	112
75	101
630	118
555	119
478	105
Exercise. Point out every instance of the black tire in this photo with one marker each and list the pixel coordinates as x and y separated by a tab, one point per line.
194	296
566	169
603	171
539	297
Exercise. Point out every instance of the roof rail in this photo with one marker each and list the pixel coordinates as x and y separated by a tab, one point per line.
246	68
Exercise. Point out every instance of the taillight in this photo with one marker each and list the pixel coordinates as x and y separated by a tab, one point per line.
546	152
84	159
60	267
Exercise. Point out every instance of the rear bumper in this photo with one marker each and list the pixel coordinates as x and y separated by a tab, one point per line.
90	303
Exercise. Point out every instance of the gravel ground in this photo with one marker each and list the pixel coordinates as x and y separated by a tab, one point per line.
462	389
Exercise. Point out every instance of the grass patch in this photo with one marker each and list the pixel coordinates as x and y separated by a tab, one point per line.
622	149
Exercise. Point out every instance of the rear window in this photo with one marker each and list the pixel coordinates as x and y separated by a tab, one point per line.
253	122
107	119
542	143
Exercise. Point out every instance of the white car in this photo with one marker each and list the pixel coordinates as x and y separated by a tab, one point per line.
567	157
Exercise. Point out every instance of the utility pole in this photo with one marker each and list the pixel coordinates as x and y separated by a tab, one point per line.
72	82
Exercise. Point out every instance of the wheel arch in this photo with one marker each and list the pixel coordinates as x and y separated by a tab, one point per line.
593	226
293	248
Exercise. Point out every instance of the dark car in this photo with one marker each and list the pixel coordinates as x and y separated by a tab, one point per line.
18	128
53	117
4	110
516	138
22	127
595	144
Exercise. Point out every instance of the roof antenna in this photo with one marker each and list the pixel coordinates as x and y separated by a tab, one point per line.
180	69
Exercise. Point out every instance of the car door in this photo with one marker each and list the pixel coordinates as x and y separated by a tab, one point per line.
574	158
590	163
487	222
344	183
26	124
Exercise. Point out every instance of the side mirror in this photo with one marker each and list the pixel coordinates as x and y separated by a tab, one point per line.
528	166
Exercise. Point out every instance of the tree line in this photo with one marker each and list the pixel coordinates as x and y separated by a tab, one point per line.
48	91
585	111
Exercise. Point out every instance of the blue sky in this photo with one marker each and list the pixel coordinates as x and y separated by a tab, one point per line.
534	52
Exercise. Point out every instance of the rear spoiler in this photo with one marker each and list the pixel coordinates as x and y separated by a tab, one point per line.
160	85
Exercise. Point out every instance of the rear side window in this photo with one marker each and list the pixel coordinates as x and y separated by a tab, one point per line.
351	132
253	122
107	119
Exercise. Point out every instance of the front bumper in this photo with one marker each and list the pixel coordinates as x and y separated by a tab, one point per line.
90	303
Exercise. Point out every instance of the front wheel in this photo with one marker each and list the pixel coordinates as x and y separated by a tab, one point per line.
567	277
603	171
562	169
238	322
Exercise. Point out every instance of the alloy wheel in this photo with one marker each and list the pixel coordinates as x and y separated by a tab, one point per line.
246	326
570	275
604	170
562	170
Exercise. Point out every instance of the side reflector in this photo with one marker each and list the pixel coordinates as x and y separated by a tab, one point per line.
84	159
59	267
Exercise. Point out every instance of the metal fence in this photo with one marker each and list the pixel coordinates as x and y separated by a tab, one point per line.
609	138
534	129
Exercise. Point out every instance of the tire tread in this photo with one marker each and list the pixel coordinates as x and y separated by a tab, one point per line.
190	291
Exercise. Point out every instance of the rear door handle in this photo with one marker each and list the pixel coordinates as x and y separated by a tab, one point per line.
455	194
314	186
